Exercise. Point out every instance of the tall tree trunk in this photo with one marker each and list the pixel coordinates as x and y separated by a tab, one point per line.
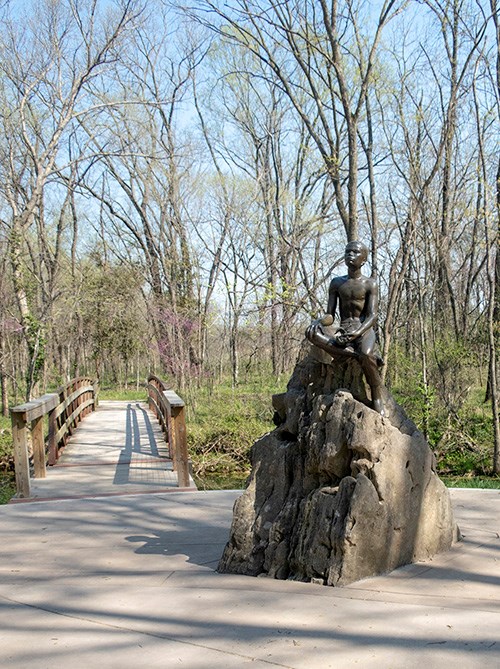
3	373
32	328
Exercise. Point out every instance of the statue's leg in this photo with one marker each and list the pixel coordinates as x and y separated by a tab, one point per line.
369	364
316	336
370	369
362	353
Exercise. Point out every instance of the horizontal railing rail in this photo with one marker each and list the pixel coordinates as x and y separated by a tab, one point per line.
65	408
168	408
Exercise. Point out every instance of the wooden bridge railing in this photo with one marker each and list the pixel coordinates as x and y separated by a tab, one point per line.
168	408
65	408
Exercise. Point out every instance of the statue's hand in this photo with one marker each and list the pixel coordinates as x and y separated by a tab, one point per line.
342	338
339	339
313	329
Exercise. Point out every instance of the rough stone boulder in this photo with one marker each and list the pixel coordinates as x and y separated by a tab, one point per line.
337	492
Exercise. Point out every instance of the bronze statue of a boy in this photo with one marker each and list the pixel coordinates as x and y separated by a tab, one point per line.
357	297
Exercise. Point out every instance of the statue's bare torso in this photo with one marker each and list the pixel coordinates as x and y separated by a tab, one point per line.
353	297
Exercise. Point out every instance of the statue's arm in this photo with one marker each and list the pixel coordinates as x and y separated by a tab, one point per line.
333	295
315	331
371	312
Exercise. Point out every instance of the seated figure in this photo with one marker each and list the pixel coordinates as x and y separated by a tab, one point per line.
357	298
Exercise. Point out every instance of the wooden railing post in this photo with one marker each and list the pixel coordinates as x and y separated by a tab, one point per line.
95	386
171	438
181	453
168	408
52	438
38	443
21	459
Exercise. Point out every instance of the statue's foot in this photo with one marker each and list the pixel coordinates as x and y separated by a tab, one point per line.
378	406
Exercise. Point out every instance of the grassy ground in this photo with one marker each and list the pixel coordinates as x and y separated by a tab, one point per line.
109	393
222	424
472	482
7	486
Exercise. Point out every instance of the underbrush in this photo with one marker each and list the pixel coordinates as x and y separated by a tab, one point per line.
465	444
7	478
123	394
461	437
492	482
7	488
222	424
6	456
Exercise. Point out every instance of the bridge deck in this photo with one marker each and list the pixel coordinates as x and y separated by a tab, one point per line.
118	449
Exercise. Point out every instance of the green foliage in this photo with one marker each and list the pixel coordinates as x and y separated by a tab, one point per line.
472	482
418	398
36	341
283	292
465	447
111	310
7	488
5	444
453	366
124	394
449	408
7	485
222	425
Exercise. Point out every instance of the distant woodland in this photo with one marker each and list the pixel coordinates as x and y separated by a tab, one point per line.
178	182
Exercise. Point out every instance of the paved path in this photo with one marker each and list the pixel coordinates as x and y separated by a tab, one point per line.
117	449
129	581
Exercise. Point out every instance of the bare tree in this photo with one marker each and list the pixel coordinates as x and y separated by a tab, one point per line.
494	275
48	65
147	172
315	51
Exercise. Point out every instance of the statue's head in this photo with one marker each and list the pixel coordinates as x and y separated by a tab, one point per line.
356	250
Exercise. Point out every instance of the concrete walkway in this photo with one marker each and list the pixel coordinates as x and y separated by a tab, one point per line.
118	449
129	581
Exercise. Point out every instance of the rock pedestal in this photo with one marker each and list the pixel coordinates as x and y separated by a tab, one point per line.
337	492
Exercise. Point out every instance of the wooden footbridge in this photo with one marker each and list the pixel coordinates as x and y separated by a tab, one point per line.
67	444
